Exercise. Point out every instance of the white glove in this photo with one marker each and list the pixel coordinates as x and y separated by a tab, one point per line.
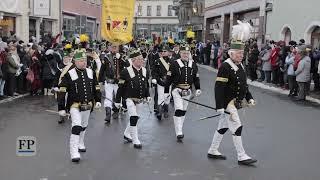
118	56
56	89
62	113
198	92
251	103
154	81
220	111
98	105
20	65
149	99
118	105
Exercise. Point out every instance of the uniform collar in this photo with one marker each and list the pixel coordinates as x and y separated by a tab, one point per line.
232	64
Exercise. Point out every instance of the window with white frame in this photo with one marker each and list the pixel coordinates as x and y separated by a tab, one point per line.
148	10
158	10
170	10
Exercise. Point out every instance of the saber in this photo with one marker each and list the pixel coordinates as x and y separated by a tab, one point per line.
55	112
165	99
209	117
203	105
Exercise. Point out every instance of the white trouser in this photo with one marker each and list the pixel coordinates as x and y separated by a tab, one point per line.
232	122
79	118
76	141
132	131
110	91
163	98
180	105
133	109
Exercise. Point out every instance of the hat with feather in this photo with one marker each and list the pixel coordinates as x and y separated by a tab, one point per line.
240	34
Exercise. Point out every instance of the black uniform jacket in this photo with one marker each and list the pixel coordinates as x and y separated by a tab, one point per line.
161	69
133	84
81	86
231	83
111	68
183	73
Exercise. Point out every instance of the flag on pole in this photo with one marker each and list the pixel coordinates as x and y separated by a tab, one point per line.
117	20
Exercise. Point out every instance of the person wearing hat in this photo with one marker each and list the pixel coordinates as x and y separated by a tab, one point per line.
303	75
93	61
159	75
83	94
182	74
63	68
109	75
152	57
176	53
134	88
231	94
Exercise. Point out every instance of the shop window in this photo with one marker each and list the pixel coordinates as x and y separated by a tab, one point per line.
7	26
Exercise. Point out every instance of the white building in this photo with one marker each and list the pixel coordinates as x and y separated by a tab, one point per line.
29	18
221	15
294	21
155	17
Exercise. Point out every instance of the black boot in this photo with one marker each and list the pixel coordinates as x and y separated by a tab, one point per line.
108	115
166	111
159	114
62	119
155	108
248	162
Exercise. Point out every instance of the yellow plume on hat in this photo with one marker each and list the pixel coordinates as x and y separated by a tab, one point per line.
84	38
190	34
68	46
170	41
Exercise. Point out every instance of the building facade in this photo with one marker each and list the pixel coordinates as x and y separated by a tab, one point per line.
81	16
155	17
29	18
191	14
300	21
221	15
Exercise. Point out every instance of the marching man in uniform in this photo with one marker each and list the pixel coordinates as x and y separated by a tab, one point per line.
159	74
109	76
183	73
134	87
83	93
63	69
230	91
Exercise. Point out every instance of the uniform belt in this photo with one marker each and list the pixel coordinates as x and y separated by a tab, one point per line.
78	104
183	86
110	81
137	100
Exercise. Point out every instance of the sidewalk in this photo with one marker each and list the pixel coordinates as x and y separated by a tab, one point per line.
312	97
9	99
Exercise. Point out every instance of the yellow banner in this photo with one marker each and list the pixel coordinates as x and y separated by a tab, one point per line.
117	20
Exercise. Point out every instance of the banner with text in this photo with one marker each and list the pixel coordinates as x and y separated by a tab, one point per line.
117	20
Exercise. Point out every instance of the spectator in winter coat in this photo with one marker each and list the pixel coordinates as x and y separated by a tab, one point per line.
13	68
302	73
293	86
49	69
253	59
266	64
274	59
315	69
3	68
